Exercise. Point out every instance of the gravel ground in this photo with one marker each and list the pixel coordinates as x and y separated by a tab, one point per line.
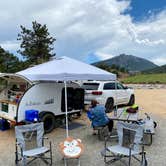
151	101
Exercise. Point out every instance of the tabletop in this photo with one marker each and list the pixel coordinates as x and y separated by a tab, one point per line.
122	115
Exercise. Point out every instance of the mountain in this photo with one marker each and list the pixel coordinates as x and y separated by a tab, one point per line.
129	62
159	69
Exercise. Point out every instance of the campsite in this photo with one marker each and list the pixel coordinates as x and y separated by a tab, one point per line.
91	157
77	127
82	83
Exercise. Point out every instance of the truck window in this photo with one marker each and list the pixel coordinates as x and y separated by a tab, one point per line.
120	86
109	86
90	86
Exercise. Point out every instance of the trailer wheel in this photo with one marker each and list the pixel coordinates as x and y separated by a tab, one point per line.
49	121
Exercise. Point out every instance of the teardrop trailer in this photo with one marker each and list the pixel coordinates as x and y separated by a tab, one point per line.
19	94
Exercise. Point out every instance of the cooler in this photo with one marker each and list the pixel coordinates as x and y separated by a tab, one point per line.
32	115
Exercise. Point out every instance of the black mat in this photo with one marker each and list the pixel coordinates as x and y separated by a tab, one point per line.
73	125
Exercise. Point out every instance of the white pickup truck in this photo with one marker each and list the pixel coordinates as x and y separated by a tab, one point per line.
108	93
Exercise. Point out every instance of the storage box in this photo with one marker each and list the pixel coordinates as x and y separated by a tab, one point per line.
31	115
4	125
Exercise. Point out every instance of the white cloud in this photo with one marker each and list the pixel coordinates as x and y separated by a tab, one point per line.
10	45
160	60
83	27
135	37
103	56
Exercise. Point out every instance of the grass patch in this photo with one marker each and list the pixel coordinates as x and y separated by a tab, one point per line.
146	79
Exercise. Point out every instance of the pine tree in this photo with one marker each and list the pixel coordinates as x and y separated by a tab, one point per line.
8	62
36	44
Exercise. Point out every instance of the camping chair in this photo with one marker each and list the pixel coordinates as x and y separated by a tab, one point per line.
30	144
130	145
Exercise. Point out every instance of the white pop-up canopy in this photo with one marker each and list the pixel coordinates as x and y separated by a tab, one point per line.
65	69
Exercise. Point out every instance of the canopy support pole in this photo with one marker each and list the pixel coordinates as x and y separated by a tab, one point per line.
116	107
67	129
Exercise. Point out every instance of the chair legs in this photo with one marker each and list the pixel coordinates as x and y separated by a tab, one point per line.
24	161
114	158
144	161
129	157
16	158
50	153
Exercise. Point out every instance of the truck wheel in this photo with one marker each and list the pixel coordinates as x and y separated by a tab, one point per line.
132	100
109	105
49	122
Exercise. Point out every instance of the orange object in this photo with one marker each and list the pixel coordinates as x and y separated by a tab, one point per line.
71	148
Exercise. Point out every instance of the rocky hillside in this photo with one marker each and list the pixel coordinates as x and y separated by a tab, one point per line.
129	62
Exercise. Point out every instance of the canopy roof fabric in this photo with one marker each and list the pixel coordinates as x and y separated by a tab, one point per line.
65	69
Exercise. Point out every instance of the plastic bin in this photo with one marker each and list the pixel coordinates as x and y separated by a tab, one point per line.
4	125
32	115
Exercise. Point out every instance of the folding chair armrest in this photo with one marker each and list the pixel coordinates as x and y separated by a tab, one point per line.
19	145
141	144
106	138
132	145
46	138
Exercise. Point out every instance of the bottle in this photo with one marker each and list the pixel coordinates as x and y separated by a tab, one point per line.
115	112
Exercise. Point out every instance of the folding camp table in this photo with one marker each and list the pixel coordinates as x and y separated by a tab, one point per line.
122	115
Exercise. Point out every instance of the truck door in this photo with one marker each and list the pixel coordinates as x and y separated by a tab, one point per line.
123	94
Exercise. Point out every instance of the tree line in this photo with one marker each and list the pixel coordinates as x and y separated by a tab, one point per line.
36	46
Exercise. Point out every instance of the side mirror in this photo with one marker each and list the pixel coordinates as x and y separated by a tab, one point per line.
126	87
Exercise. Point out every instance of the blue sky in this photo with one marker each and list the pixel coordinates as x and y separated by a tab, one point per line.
142	9
91	30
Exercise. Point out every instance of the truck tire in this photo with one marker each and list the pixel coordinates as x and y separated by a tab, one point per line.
49	121
109	105
132	100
